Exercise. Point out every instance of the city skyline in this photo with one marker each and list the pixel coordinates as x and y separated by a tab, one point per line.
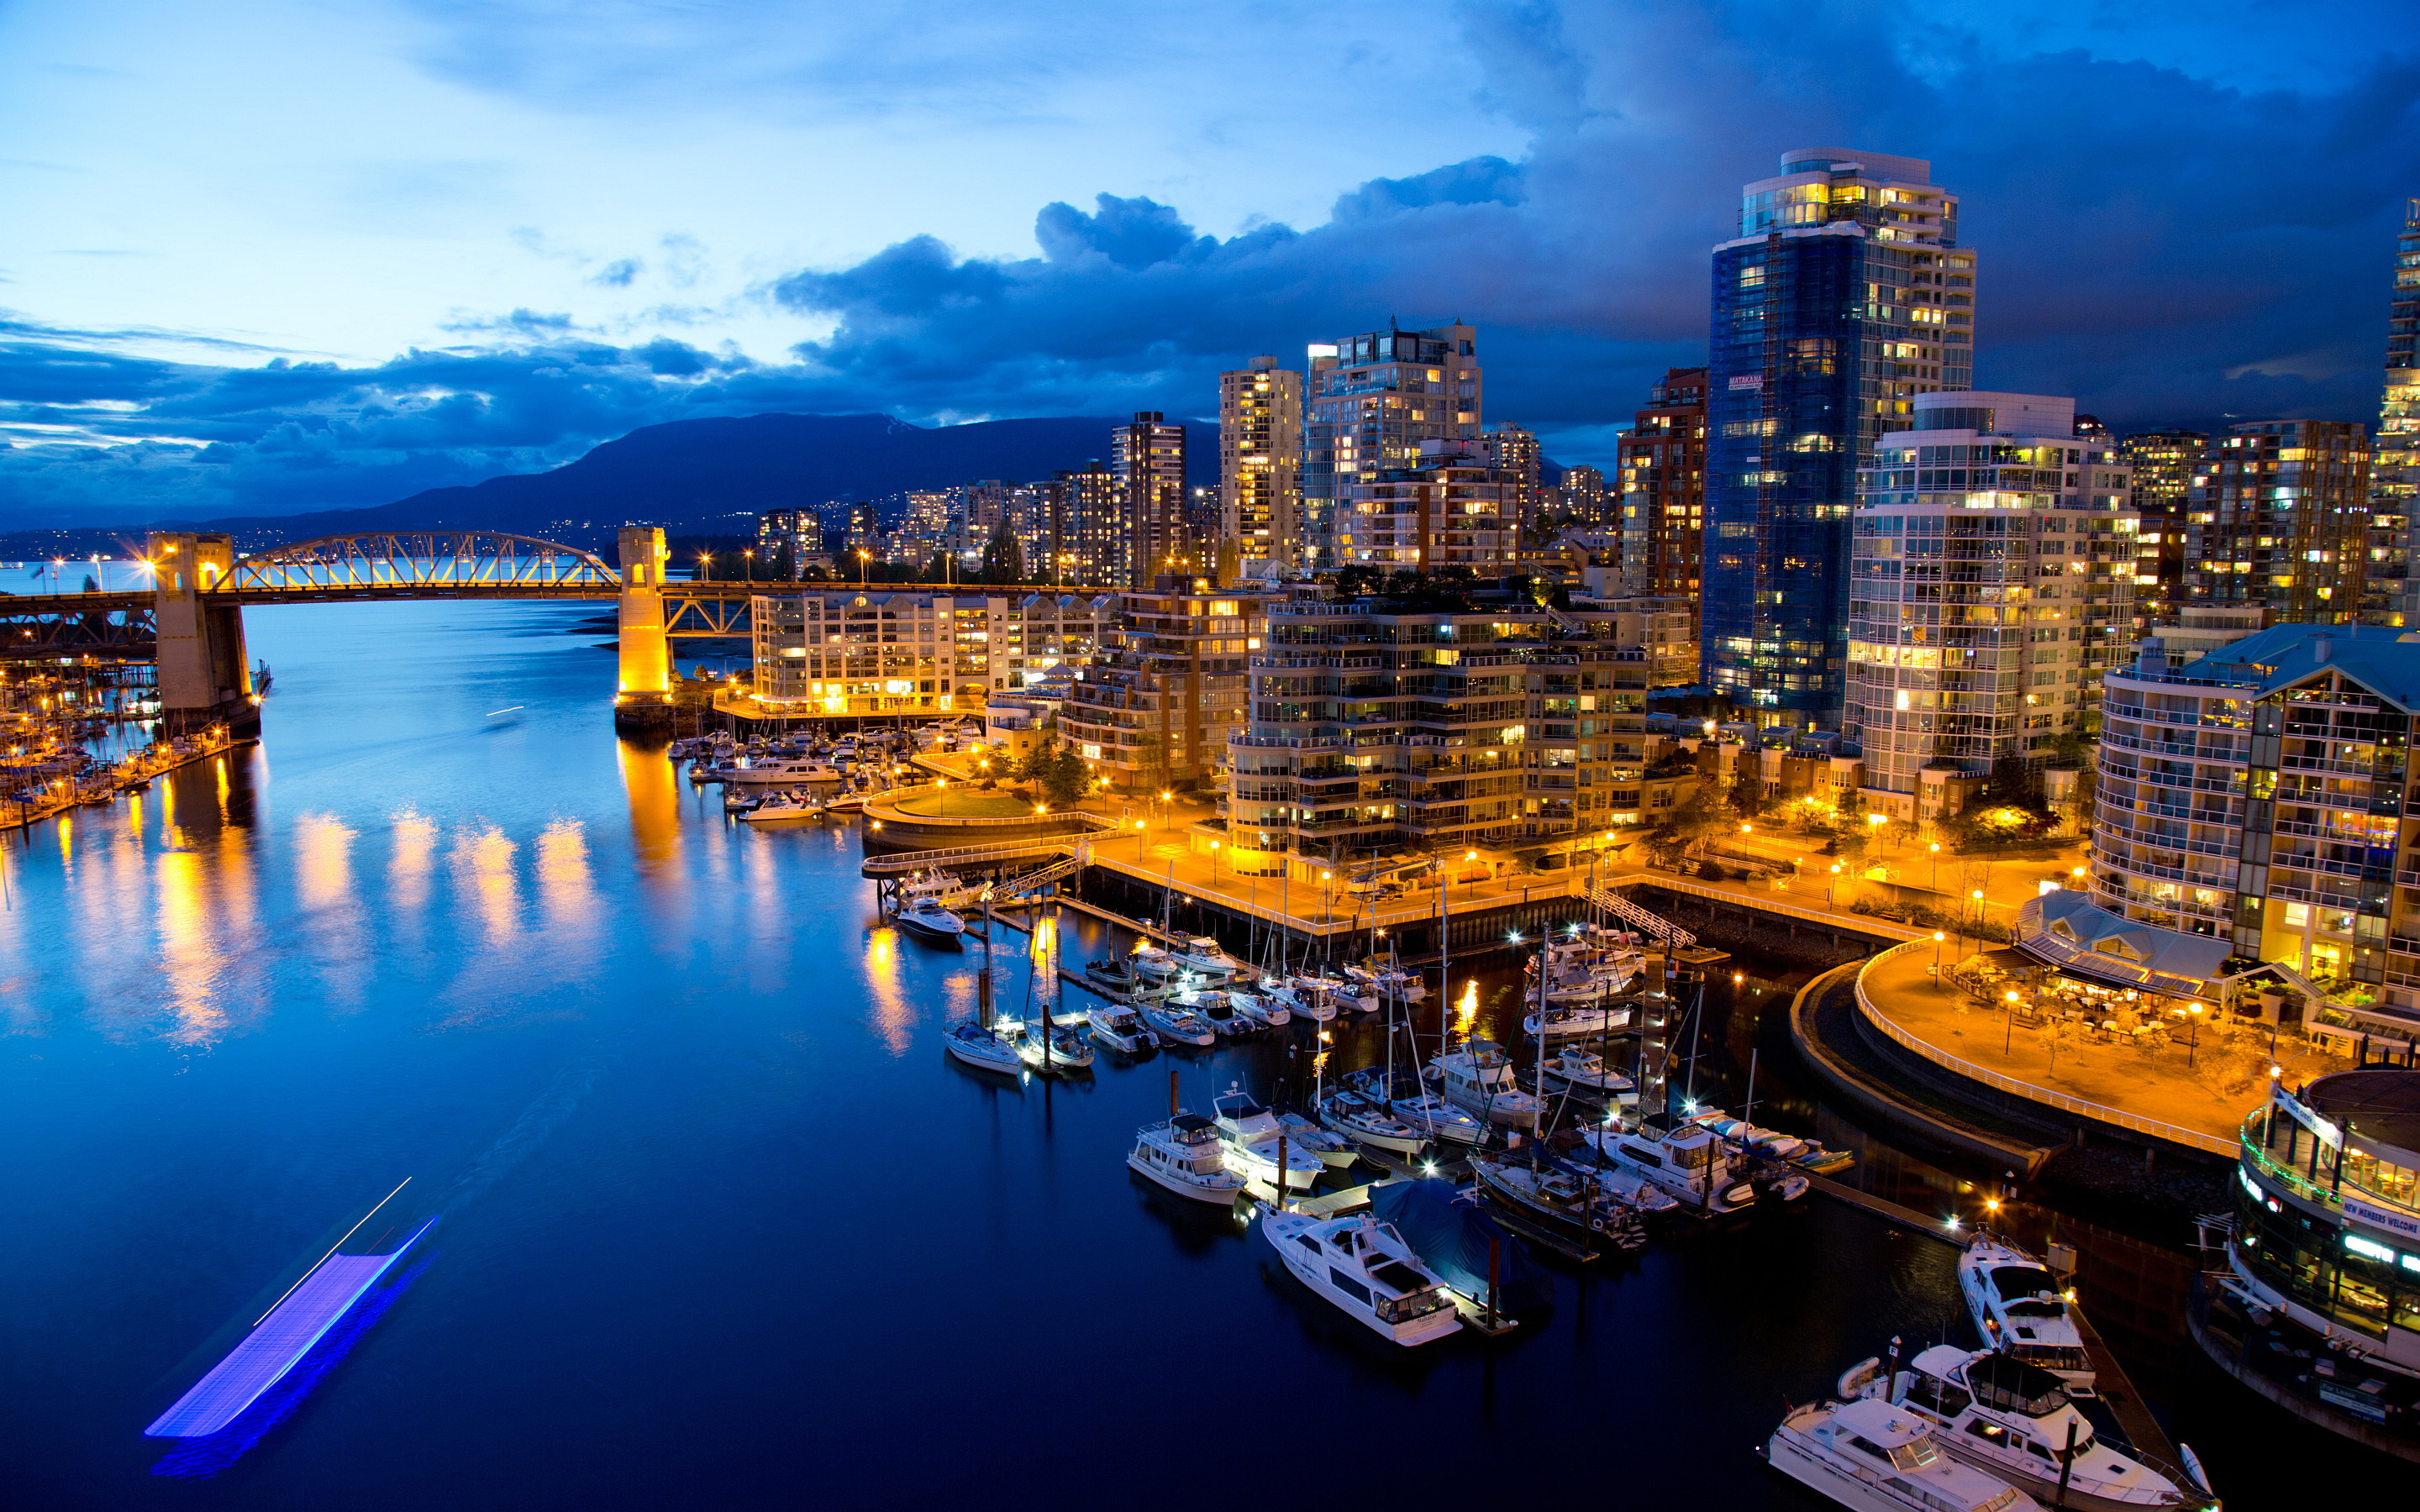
529	333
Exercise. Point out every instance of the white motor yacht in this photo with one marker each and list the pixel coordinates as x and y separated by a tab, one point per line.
1184	1156
927	919
1634	1189
1805	1153
784	809
1479	1078
1368	1119
2015	1420
1119	1027
1385	983
1205	955
781	771
1250	1133
1688	1162
2018	1305
1267	1011
1317	1007
739	800
1067	1052
1874	1458
1583	1072
1363	1267
1175	1023
1575	1021
1152	964
982	1048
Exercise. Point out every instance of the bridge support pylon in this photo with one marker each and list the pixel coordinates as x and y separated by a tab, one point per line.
205	676
643	700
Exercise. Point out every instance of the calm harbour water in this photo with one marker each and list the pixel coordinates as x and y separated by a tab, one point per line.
720	1225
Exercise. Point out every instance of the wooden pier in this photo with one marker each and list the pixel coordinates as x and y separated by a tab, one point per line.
1883	1207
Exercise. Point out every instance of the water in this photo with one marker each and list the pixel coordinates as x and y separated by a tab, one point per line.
722	1226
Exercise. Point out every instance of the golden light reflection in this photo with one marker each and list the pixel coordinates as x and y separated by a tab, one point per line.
653	789
411	863
187	953
483	862
566	889
1466	1011
893	1016
323	884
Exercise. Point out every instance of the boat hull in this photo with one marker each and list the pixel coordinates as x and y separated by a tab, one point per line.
1222	1196
973	1053
1784	1453
930	934
1426	1329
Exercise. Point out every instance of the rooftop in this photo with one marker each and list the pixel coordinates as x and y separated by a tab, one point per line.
2381	658
2381	1104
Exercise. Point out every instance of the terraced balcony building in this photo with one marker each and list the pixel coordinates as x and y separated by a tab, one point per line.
1153	709
1379	729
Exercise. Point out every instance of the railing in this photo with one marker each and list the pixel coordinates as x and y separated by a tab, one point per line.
1856	923
2082	1107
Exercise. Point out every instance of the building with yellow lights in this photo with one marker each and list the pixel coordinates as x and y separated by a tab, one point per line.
1260	462
1152	707
856	652
2280	520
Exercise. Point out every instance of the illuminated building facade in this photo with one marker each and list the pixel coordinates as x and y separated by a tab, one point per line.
1373	401
1148	456
1513	450
1449	508
2160	466
1993	586
1153	709
2395	465
1845	295
851	652
1260	462
1663	463
2280	521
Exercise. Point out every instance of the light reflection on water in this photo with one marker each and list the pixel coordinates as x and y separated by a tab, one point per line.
691	1124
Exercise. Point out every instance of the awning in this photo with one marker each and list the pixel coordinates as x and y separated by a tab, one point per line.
2068	931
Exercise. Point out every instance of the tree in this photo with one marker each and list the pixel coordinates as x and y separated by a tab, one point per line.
1003	559
1038	762
1067	779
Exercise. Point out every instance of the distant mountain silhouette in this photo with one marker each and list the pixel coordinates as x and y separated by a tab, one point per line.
696	476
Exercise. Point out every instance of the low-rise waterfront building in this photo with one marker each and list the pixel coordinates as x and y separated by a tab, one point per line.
880	652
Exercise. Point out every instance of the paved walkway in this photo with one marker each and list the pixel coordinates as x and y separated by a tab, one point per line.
2171	1083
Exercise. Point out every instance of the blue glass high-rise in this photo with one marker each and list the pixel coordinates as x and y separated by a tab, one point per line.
1844	296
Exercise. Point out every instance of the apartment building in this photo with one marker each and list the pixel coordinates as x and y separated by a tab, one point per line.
1373	401
2258	801
1153	709
1448	507
1376	729
2280	520
1663	463
1991	585
2160	466
880	652
1260	462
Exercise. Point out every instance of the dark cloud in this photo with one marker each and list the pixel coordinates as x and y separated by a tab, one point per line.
2160	245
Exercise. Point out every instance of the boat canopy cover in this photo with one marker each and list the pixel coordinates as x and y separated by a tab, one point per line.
1451	1238
2013	1385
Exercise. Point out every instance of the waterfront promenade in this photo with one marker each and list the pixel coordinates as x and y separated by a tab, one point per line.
2197	1083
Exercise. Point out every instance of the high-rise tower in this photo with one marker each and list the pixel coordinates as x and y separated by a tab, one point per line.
1374	398
1663	488
1844	296
2280	521
1148	456
2395	461
1260	462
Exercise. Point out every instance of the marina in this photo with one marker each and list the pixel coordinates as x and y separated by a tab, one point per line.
650	1020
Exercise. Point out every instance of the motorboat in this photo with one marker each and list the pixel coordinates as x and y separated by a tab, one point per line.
1575	1021
1635	1189
1437	1119
1250	1133
927	919
1347	996
1267	1011
1152	964
1174	1023
1385	983
1119	1027
1363	1267
983	1048
1317	1007
1368	1121
1876	1457
1184	1156
1334	1151
1115	975
1584	1071
1688	1162
1066	1052
2017	1421
740	801
784	809
780	771
1479	1078
1563	1202
1222	1014
1205	955
2021	1307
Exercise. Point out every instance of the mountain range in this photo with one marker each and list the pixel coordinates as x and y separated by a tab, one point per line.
692	476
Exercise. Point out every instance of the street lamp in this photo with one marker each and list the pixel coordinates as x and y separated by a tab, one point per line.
1937	938
2008	1036
862	559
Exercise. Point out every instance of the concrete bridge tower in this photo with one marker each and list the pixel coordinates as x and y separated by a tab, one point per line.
643	697
205	675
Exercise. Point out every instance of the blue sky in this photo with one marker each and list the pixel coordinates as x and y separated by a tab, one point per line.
275	254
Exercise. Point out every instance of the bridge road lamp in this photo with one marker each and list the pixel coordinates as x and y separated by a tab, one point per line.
862	557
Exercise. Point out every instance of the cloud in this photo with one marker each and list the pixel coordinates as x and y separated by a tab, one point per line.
2165	240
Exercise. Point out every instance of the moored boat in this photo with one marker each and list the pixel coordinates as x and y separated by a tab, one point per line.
1874	1458
927	919
1184	1156
1563	1202
1368	1121
982	1048
1363	1268
1687	1161
1175	1023
1251	1136
1478	1078
1119	1027
2018	1305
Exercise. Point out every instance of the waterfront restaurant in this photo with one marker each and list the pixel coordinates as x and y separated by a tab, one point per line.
2325	1255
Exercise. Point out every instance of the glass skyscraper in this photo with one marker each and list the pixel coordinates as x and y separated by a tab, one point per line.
1844	296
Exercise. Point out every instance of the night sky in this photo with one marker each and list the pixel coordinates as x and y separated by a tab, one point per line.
267	255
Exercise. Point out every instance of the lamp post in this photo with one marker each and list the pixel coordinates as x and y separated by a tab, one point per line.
1937	938
2009	1037
1934	875
864	557
1977	896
